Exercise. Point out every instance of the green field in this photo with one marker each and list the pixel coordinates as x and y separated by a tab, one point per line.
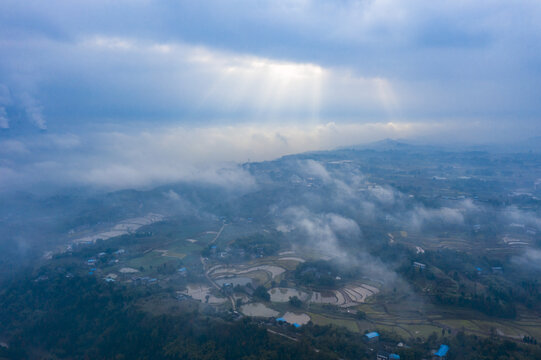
319	319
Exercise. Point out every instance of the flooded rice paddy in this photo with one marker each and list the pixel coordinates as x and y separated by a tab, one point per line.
200	292
292	318
258	309
283	294
236	280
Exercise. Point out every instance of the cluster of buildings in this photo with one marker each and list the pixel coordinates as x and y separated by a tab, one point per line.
373	337
113	258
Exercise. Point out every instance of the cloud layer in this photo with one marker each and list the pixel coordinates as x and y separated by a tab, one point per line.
135	156
155	91
367	60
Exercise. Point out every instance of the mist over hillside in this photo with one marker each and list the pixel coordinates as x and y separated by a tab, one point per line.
331	197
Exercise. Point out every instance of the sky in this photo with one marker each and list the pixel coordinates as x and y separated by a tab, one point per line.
132	93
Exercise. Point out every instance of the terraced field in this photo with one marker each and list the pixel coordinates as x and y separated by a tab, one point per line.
347	296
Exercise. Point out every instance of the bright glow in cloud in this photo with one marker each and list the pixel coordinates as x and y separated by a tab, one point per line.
232	83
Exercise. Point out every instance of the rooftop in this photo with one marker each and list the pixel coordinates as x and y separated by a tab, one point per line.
372	335
442	351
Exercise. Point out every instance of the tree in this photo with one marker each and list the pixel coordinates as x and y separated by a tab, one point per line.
261	293
295	301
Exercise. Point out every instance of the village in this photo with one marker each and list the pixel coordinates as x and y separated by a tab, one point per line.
245	282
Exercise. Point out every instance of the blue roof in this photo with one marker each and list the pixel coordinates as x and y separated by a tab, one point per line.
182	269
281	319
442	351
296	325
394	356
213	247
372	335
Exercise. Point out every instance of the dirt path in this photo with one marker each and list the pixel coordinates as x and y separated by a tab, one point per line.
283	335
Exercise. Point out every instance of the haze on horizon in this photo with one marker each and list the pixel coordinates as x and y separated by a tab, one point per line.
131	93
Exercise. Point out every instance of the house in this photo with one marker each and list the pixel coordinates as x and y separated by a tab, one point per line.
281	320
384	355
371	337
441	353
419	265
180	296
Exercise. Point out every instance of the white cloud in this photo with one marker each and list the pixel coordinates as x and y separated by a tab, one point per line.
421	215
314	168
34	111
513	214
4	121
321	230
13	147
172	195
382	194
530	258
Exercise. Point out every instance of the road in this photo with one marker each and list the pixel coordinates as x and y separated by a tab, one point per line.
231	299
218	234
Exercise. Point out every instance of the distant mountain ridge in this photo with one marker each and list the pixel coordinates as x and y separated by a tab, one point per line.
532	144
